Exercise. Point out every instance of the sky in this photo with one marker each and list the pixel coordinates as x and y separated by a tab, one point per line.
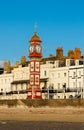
59	23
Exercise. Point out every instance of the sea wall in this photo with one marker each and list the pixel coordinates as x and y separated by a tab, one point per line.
43	103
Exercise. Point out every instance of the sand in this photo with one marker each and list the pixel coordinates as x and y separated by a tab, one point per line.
59	114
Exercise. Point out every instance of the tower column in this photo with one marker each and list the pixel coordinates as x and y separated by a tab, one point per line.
35	54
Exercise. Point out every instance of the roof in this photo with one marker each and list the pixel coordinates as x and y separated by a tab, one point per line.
35	38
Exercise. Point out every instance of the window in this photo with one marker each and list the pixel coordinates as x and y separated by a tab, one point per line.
58	75
74	74
21	86
58	96
79	73
58	85
21	75
52	74
79	84
73	84
45	73
16	75
64	86
26	74
64	74
16	88
1	89
5	80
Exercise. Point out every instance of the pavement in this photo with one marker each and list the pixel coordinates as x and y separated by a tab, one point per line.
29	125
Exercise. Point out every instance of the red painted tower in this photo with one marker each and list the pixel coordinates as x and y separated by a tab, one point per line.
35	54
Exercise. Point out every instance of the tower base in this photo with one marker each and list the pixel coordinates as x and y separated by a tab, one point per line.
34	93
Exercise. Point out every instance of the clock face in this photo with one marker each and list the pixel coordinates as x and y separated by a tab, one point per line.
38	49
31	49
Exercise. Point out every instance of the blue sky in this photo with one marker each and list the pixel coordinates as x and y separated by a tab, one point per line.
60	23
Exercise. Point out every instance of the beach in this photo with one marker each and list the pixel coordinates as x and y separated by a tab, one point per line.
58	114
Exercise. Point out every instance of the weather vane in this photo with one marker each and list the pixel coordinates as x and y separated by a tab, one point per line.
35	27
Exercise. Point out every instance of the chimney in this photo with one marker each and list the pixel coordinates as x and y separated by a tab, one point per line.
59	52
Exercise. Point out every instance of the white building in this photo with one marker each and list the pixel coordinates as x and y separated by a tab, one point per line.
76	78
66	79
5	82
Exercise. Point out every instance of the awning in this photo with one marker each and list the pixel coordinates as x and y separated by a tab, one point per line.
28	81
44	80
20	81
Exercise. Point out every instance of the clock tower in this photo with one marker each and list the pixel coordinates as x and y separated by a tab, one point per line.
35	54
